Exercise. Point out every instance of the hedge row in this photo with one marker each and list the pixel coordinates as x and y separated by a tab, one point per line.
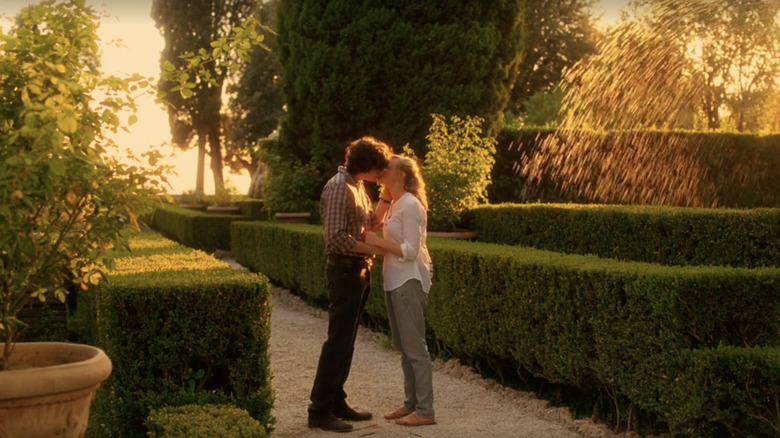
301	264
665	235
684	343
180	327
196	229
736	170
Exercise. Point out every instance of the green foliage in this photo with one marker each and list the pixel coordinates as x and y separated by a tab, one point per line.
696	346
205	42
289	185
203	421
734	170
665	235
207	232
256	98
191	197
725	389
559	33
288	254
200	65
456	169
181	328
542	108
65	198
355	67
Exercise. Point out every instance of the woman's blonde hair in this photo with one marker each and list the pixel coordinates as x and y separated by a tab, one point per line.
413	183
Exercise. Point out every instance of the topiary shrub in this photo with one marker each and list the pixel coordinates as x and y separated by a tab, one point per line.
203	421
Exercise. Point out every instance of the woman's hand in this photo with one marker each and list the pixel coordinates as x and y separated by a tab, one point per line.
373	239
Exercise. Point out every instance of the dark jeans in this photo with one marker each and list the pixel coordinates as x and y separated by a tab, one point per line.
348	281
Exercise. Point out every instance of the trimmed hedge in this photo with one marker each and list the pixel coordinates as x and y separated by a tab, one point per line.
196	229
300	265
203	421
665	235
180	327
640	330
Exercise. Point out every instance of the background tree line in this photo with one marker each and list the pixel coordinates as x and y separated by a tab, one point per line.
337	70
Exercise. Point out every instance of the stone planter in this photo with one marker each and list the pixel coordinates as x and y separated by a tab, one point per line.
47	390
454	234
223	209
294	218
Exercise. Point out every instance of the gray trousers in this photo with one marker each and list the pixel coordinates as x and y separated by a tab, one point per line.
405	310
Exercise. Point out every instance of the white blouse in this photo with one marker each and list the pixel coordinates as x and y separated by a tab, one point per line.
406	224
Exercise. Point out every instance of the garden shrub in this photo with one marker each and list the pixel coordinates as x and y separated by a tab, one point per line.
636	330
199	230
737	170
203	421
339	59
252	208
180	327
665	235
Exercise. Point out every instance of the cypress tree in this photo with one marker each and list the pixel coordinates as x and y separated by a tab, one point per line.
381	67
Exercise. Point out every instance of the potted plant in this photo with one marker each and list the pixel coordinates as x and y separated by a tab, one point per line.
457	170
65	200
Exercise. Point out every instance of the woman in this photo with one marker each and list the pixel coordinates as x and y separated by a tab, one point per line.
407	280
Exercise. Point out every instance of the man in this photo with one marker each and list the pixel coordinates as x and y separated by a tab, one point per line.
346	214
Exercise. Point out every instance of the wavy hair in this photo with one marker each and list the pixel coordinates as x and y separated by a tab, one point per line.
413	183
366	154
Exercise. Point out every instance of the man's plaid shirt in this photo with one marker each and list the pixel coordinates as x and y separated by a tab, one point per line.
345	209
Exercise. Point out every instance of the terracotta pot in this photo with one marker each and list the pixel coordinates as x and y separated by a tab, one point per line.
294	218
47	390
454	234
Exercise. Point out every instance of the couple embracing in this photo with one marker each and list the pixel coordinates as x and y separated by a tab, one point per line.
349	226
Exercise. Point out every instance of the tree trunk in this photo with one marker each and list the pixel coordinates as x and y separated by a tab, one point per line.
201	164
215	148
255	185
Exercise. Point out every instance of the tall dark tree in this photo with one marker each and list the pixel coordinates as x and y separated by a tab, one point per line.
379	67
558	33
190	26
256	101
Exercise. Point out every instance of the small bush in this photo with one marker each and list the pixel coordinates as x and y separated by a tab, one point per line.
203	421
456	169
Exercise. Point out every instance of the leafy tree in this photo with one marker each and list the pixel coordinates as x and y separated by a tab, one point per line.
64	198
378	67
256	102
543	107
732	48
558	34
196	28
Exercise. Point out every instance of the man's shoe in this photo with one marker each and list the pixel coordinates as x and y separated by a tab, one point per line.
329	423
350	414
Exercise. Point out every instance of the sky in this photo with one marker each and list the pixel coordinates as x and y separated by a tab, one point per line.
129	21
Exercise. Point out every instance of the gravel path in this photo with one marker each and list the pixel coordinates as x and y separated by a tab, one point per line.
466	405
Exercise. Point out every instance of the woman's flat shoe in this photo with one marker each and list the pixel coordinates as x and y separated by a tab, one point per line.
415	420
398	413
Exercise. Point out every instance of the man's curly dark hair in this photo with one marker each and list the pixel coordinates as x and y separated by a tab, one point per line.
366	154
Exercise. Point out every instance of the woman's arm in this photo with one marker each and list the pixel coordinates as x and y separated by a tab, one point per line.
386	245
381	209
